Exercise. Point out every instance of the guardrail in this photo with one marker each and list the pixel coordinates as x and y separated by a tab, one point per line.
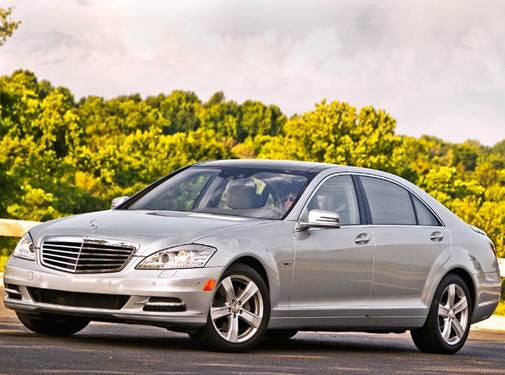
501	265
16	228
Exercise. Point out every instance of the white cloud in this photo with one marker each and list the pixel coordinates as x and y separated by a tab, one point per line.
438	67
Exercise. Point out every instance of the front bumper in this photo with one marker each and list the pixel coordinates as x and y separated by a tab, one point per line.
139	285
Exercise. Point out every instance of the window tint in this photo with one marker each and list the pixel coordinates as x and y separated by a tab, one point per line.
182	196
424	215
247	192
389	203
337	194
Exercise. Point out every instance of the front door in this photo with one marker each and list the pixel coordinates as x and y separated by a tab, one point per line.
333	267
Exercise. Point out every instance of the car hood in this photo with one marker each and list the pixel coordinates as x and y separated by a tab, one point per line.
151	230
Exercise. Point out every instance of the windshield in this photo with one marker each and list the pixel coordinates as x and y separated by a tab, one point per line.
247	192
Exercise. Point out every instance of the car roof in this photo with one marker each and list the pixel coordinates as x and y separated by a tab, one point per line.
270	164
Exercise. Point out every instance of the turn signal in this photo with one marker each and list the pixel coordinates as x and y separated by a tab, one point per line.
209	285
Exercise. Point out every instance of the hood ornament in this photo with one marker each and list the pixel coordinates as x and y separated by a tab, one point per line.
93	226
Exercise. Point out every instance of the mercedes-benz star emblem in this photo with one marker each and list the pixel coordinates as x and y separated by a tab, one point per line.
93	225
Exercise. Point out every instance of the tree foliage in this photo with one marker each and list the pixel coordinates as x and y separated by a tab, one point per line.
7	25
61	156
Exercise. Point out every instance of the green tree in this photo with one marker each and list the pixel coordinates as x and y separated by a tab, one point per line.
220	116
61	156
255	118
337	133
7	25
466	155
180	112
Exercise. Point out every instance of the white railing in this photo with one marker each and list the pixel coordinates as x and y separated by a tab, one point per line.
15	228
501	264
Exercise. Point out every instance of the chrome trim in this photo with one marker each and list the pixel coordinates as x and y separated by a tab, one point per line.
336	174
12	291
406	188
314	191
51	255
165	304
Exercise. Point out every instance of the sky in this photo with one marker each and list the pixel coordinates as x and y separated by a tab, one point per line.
438	67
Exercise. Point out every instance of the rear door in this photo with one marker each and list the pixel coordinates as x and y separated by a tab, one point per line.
410	242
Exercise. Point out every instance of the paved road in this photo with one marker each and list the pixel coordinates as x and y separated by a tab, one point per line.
122	349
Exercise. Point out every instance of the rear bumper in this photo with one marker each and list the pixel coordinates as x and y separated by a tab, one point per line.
488	295
139	285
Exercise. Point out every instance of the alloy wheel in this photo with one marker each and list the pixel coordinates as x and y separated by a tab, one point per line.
237	309
453	314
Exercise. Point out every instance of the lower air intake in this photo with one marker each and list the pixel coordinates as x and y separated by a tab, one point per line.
75	299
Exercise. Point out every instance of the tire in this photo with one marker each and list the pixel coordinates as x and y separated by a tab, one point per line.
280	334
448	323
236	322
52	325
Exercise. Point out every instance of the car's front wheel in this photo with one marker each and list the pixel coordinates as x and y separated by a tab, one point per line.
53	325
448	323
239	313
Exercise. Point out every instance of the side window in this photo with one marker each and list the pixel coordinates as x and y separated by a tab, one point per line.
389	203
337	194
424	215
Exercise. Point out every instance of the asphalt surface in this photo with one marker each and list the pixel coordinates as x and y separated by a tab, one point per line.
103	348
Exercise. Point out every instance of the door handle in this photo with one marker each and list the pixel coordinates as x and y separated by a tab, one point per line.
437	236
362	239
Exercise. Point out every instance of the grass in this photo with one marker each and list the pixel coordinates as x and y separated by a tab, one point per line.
3	262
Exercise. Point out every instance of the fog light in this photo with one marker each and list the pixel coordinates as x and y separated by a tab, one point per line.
164	304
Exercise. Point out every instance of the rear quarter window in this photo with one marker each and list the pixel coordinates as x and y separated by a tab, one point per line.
424	215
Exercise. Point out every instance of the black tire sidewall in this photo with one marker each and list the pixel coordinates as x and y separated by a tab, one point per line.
433	317
212	338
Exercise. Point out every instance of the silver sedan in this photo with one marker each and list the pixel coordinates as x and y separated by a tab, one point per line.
235	251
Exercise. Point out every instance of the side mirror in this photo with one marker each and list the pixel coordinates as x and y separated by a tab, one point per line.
321	219
118	201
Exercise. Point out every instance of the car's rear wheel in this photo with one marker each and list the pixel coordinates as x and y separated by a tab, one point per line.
239	312
53	325
448	323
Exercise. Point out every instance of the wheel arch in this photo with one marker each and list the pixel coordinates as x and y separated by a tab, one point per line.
467	278
255	264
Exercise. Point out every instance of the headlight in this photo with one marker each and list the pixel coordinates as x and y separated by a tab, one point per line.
25	249
187	256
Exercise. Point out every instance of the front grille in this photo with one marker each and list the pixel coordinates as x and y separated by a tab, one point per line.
75	299
86	255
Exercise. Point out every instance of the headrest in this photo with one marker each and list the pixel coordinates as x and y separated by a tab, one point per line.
241	194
